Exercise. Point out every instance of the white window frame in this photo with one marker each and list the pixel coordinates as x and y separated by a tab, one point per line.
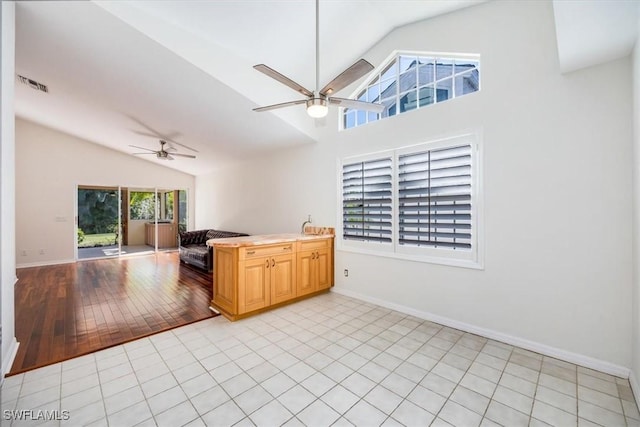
384	247
473	258
395	57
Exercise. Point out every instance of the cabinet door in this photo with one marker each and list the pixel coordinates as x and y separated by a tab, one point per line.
306	278
253	285
323	271
282	278
224	283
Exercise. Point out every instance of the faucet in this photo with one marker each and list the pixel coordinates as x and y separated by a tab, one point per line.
308	221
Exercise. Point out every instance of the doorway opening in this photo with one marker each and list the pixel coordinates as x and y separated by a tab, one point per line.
119	221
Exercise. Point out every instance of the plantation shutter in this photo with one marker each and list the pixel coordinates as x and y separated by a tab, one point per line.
367	200
434	198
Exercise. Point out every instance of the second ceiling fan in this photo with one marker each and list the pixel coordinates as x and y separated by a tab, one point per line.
164	153
317	102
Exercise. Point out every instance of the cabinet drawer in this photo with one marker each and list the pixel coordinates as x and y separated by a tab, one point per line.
262	251
308	245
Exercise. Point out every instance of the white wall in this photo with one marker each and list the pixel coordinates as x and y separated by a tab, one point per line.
272	195
635	367
49	166
7	186
557	185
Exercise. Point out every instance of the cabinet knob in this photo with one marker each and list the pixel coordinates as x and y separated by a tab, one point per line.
267	263
273	262
251	252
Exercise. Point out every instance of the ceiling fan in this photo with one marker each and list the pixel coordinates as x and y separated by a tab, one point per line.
317	101
155	134
163	153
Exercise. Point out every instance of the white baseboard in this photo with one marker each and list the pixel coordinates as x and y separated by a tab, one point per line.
42	264
635	387
7	359
578	359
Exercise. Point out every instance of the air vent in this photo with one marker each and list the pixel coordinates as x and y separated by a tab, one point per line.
33	84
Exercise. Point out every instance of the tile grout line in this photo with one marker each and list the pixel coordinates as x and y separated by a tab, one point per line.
484	415
385	320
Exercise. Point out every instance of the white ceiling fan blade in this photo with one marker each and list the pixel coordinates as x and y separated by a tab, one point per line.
357	105
166	141
145	133
282	79
165	138
152	135
138	154
183	155
182	145
281	105
168	157
142	148
153	132
348	76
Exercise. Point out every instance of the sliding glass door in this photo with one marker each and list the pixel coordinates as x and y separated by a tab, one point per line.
140	214
182	211
97	234
115	221
163	232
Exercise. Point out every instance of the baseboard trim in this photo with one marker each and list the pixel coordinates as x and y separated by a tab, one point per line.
45	263
567	356
7	359
635	387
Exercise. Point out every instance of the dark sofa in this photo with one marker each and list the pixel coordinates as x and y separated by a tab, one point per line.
193	246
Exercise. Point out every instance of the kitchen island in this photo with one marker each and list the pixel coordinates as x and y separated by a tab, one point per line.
252	274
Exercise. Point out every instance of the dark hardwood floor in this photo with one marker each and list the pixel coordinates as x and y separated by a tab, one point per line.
64	311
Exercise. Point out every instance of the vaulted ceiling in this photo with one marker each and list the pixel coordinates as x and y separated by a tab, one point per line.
123	73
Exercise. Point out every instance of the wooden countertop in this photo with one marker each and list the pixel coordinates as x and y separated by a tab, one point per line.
264	239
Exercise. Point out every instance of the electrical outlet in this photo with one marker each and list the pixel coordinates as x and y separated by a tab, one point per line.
346	273
24	252
41	251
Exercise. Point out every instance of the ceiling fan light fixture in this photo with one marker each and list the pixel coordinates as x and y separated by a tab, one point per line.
317	108
318	100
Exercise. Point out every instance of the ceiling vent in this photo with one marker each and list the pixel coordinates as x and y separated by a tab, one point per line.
33	84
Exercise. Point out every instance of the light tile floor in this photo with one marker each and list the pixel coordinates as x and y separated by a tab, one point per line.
330	360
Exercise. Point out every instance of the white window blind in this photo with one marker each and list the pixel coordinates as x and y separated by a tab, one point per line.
367	200
434	198
421	202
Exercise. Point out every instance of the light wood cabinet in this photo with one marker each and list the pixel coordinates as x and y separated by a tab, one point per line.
253	286
324	269
226	275
306	273
266	280
283	278
250	279
315	266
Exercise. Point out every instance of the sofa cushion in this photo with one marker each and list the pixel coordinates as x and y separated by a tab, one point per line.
196	252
